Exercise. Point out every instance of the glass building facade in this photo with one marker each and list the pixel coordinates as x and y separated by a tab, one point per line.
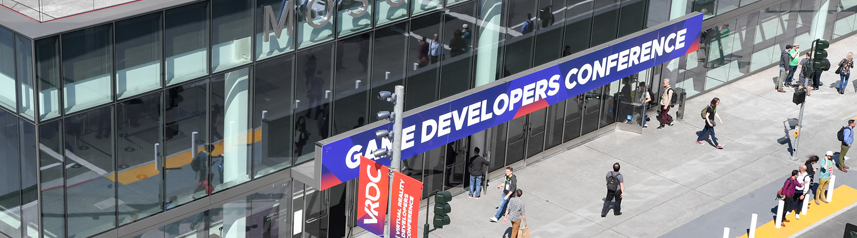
128	121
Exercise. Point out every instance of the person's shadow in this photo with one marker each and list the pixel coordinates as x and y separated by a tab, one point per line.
508	233
708	139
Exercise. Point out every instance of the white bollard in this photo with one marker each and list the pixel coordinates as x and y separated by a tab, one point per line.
753	225
830	188
780	205
805	204
725	232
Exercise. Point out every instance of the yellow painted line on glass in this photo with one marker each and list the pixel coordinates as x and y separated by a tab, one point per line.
844	197
148	170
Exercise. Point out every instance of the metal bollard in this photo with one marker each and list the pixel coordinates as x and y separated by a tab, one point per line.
780	205
725	232
830	188
682	98
753	225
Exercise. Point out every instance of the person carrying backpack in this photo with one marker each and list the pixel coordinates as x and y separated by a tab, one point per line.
846	136
709	113
668	99
615	189
528	25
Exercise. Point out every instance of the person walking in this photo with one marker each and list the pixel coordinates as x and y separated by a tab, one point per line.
516	213
509	186
801	190
825	165
844	71
477	165
804	69
710	114
643	98
615	190
847	139
794	59
785	63
436	50
788	192
666	102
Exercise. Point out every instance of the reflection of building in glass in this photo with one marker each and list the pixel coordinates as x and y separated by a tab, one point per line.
146	112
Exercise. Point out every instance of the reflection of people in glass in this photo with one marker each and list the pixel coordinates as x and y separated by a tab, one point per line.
546	16
322	118
450	162
466	35
528	25
436	50
200	166
566	51
314	87
625	97
422	57
360	122
301	135
215	118
457	45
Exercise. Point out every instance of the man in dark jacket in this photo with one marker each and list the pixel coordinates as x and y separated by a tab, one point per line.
477	164
785	59
509	186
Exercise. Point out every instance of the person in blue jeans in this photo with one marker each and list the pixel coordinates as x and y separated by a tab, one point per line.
845	72
644	98
477	166
509	186
710	114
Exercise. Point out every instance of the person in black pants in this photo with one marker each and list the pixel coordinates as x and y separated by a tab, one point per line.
614	191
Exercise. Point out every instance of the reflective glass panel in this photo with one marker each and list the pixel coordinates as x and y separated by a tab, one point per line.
139	146
315	22
87	66
186	45
604	21
29	181
312	97
272	119
550	21
426	52
231	33
138	55
351	84
390	11
274	45
489	35
578	26
632	17
354	16
7	70
10	196
724	6
388	65
185	150
89	166
52	182
24	63
229	119
48	76
456	70
519	38
423	6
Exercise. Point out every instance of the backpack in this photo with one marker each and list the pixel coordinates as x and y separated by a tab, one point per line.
704	110
195	163
674	97
613	181
807	69
841	134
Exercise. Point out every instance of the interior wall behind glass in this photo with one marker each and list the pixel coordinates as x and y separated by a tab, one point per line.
272	116
138	55
10	173
231	32
456	72
7	70
351	85
186	45
24	68
29	181
52	178
48	76
354	16
185	137
139	142
87	66
314	23
89	166
229	118
425	53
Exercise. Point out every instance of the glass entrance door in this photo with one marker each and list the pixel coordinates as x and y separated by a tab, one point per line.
536	138
456	161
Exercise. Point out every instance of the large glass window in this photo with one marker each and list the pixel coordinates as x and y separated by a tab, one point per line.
138	55
488	33
315	22
390	11
519	38
724	6
229	119
138	139
10	196
24	65
354	16
272	119
423	6
425	53
185	150
605	20
312	97
29	181
51	175
632	17
231	33
87	66
578	27
351	83
274	45
455	74
48	76
89	165
388	63
7	70
186	42
556	114
548	44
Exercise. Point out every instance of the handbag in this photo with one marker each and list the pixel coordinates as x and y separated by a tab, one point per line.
838	70
524	233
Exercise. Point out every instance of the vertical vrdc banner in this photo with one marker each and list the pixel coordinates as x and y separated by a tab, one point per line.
406	196
372	197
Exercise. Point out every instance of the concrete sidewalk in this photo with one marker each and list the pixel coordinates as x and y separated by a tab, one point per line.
670	180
